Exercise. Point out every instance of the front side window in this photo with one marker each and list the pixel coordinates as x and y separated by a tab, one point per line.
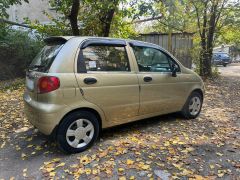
153	60
105	58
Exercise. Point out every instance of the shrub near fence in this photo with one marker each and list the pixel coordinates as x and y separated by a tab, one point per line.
17	50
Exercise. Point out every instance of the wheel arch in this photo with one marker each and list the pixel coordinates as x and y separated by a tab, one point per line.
96	113
198	90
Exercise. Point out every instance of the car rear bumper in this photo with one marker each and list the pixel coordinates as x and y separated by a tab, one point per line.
43	116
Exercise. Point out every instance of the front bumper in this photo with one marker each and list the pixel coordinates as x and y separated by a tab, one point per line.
221	62
43	116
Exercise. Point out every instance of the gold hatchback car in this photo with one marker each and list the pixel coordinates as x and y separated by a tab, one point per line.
78	85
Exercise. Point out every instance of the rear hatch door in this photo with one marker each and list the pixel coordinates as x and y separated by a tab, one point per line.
41	64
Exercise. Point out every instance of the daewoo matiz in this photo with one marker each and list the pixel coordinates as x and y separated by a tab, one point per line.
78	85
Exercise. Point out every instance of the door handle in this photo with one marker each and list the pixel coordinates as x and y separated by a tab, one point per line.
90	80
147	78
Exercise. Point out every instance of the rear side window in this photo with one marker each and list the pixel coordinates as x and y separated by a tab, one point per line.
105	58
44	59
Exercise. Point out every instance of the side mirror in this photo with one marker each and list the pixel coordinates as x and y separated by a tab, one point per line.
174	70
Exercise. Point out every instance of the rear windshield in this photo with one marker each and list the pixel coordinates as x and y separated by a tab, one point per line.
45	58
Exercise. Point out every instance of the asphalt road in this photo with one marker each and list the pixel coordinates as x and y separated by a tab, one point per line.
232	70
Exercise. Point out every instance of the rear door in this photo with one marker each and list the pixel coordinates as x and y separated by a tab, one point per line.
107	79
160	92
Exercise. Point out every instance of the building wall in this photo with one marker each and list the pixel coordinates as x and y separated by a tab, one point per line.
33	10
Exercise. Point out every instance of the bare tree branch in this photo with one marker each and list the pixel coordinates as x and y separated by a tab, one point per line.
220	11
148	19
14	23
198	18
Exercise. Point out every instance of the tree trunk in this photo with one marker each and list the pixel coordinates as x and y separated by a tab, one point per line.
108	22
203	44
73	17
207	30
211	30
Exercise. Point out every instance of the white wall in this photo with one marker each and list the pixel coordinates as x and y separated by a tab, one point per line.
33	10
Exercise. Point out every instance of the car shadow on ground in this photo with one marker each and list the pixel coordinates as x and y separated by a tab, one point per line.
140	124
34	144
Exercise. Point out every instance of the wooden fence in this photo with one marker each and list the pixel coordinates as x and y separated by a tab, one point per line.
179	44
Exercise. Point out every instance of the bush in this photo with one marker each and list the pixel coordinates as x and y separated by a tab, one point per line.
17	49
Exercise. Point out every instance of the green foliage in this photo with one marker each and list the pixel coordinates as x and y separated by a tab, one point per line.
92	18
230	24
56	28
141	8
122	29
176	16
195	51
5	4
215	72
213	22
17	50
229	35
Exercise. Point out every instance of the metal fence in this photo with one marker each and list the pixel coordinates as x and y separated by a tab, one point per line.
179	44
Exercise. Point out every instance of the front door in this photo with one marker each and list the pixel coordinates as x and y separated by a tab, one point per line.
160	92
107	80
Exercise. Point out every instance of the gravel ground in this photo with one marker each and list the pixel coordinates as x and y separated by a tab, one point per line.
164	147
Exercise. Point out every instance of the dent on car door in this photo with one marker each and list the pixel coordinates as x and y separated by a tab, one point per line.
106	79
160	92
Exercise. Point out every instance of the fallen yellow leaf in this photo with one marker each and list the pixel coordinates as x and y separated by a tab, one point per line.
130	162
52	174
122	178
120	169
88	171
60	165
132	178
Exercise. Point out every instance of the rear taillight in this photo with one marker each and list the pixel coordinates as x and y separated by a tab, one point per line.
47	84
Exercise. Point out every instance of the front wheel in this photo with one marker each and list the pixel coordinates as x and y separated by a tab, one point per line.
193	106
77	132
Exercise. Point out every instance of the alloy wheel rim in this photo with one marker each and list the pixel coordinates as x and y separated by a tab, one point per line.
194	106
80	133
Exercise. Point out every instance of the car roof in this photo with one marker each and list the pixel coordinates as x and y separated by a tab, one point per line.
130	41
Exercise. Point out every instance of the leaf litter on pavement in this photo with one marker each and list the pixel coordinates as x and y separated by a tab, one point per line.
165	147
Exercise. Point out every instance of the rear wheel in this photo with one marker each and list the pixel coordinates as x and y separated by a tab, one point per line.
225	65
77	132
192	107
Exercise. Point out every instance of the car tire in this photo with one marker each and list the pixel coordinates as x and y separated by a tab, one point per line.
193	106
225	65
77	132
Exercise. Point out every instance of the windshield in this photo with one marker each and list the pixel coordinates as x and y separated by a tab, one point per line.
45	58
223	55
